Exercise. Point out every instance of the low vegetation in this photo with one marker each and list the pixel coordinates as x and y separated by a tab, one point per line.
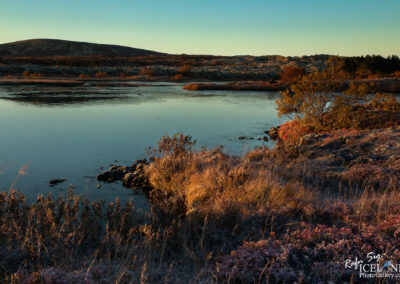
291	73
364	66
314	101
327	192
238	86
212	214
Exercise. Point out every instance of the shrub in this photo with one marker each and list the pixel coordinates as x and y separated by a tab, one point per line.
308	98
291	73
309	254
185	69
386	102
314	101
32	75
36	75
212	183
177	77
101	74
146	72
396	74
291	131
192	87
84	76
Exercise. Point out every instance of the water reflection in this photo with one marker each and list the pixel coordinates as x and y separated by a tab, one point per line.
71	132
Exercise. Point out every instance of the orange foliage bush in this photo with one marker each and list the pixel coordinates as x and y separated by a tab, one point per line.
177	77
396	74
36	75
84	76
192	87
101	74
291	73
186	68
291	131
146	72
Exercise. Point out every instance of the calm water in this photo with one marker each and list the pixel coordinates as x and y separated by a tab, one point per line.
72	132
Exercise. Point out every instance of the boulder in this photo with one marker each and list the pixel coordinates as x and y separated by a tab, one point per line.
53	182
132	176
127	179
273	133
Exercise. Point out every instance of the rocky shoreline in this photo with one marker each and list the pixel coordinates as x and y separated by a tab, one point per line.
132	176
342	156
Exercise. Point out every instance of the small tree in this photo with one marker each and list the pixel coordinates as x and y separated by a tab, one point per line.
315	101
308	98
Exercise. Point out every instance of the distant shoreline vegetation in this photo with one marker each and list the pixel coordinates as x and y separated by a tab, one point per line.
195	67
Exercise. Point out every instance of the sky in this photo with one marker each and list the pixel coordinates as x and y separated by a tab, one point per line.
218	27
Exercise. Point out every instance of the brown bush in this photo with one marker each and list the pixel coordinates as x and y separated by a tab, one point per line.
291	73
84	76
177	77
396	74
315	101
213	183
185	69
291	131
101	74
36	75
146	71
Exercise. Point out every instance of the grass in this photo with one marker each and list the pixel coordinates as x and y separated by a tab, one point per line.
213	217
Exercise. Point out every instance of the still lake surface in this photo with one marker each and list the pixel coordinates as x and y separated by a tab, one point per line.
77	132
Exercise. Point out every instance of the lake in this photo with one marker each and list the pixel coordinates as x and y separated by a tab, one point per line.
77	132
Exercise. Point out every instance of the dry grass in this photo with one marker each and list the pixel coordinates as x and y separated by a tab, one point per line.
205	204
217	184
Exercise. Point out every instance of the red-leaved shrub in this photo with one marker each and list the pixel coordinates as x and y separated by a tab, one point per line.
291	131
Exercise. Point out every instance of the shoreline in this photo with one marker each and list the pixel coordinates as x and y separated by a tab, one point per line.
385	84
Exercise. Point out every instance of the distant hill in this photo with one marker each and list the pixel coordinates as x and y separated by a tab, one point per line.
56	47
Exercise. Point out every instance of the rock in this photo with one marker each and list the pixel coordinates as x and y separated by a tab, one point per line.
115	173
265	138
127	180
53	182
132	176
99	185
273	132
242	137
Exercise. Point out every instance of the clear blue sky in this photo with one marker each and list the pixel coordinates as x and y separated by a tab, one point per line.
225	27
